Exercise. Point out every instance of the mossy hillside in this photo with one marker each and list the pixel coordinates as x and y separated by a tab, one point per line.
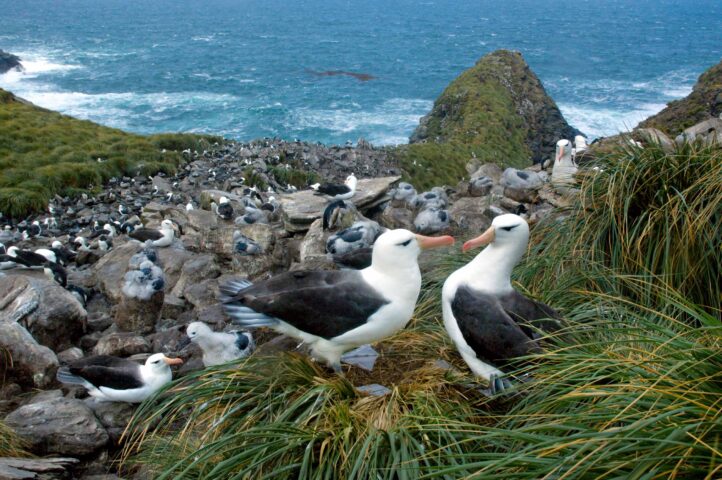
44	153
496	111
703	103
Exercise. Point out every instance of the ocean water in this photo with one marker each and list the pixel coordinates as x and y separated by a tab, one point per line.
245	68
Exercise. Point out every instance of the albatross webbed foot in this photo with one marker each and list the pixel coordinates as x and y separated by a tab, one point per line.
499	385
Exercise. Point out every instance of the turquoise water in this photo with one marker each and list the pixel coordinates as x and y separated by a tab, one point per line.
242	68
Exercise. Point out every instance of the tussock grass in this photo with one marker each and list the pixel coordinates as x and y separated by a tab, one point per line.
630	388
10	444
43	153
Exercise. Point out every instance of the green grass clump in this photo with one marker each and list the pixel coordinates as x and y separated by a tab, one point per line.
43	153
293	176
10	444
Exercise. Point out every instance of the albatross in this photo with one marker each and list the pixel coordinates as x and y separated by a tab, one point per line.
485	317
162	237
114	379
336	311
335	191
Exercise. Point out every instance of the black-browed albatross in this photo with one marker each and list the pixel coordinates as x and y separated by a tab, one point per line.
337	311
485	317
116	379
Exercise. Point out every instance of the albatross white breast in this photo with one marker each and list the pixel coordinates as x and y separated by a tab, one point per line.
336	311
485	317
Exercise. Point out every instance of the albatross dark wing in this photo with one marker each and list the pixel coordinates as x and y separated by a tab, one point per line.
107	371
323	303
487	328
145	234
332	190
527	311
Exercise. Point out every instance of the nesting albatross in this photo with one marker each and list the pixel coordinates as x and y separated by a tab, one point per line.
116	379
485	317
336	311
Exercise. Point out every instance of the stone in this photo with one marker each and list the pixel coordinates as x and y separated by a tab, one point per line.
491	170
140	316
99	321
12	468
70	355
314	242
167	340
397	217
706	131
121	344
114	416
374	390
50	313
64	426
32	364
468	215
203	293
198	268
653	136
300	209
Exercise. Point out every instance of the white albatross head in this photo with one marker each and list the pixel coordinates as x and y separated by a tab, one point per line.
505	230
398	249
564	152
351	181
196	331
160	364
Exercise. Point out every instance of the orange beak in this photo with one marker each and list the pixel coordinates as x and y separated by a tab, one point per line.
173	361
433	242
560	154
484	239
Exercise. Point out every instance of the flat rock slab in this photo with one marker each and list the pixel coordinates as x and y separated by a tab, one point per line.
363	357
300	209
12	468
374	390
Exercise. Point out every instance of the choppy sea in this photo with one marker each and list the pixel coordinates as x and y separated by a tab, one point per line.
254	68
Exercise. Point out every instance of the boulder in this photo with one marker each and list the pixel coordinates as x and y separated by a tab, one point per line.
300	209
64	426
32	364
397	217
709	131
50	313
468	215
203	293
121	344
491	170
114	416
8	62
195	270
314	243
139	316
653	136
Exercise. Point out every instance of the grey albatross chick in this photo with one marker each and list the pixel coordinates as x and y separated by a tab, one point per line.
336	311
116	379
219	347
486	318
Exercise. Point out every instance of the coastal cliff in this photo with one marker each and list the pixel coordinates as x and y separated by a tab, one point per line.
704	103
496	111
8	61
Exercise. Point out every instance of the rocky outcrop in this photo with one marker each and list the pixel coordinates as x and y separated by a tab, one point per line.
704	103
302	208
60	426
8	61
31	363
500	110
50	313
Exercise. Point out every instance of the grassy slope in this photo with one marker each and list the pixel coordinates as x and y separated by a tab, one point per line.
631	389
43	153
704	102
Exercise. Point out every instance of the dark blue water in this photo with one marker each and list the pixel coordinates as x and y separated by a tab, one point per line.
241	67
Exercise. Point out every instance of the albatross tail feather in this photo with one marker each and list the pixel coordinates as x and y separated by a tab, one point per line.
247	317
64	376
232	288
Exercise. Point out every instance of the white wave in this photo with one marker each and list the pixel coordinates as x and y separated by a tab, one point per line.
393	116
602	122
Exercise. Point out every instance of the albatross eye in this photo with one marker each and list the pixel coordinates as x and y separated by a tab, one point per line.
509	229
403	244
